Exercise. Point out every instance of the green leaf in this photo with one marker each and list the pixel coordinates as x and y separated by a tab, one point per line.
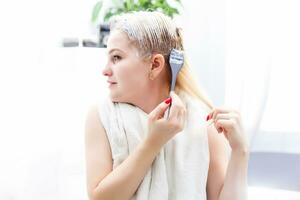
108	15
129	4
96	10
145	4
112	12
121	6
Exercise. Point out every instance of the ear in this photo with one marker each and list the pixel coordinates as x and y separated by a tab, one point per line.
157	64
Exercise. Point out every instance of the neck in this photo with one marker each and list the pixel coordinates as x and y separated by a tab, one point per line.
154	96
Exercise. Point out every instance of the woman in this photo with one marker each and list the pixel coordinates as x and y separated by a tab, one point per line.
133	151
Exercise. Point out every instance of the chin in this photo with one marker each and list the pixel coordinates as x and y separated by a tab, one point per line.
119	99
115	98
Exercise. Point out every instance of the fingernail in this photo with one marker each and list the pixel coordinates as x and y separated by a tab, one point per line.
208	117
168	100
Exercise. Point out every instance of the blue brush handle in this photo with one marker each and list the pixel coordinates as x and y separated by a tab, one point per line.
175	70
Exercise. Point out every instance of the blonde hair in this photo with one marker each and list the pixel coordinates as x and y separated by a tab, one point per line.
155	32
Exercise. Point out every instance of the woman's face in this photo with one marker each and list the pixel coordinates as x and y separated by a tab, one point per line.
127	73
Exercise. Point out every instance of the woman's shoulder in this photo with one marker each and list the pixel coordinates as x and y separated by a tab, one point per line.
93	123
100	110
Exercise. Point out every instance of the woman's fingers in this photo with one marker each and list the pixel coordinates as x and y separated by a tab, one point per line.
160	129
221	110
229	122
226	115
159	111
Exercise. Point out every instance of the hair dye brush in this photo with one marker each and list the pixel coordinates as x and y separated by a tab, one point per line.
176	61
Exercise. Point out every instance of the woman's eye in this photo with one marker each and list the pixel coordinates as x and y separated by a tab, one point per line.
116	58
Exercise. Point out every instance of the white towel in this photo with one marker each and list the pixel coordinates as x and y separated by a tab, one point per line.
179	171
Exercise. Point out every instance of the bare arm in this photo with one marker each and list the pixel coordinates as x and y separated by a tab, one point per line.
122	182
227	179
235	185
218	163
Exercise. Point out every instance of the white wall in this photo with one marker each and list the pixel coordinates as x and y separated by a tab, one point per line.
204	26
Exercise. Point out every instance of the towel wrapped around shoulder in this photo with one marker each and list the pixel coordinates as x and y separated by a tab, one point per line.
179	171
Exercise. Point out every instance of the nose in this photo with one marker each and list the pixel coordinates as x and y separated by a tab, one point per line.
107	71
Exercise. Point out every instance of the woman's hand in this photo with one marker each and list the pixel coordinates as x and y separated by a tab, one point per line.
161	129
228	122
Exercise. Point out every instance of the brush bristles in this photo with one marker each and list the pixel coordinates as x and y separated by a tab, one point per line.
176	56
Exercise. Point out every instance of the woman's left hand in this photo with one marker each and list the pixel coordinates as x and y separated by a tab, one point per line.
228	122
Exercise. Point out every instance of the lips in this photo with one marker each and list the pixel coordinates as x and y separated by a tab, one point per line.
111	82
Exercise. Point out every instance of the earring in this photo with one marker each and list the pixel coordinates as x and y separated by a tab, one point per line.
151	76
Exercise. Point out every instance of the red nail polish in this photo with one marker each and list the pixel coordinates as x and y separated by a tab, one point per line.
220	130
208	117
168	100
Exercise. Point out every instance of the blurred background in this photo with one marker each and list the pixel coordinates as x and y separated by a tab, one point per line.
245	54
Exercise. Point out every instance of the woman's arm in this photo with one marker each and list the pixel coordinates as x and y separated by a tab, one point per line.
218	163
235	185
227	178
122	182
103	182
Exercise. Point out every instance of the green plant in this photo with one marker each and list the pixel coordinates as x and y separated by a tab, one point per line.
121	6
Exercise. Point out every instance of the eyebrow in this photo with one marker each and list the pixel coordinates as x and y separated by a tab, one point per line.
114	49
